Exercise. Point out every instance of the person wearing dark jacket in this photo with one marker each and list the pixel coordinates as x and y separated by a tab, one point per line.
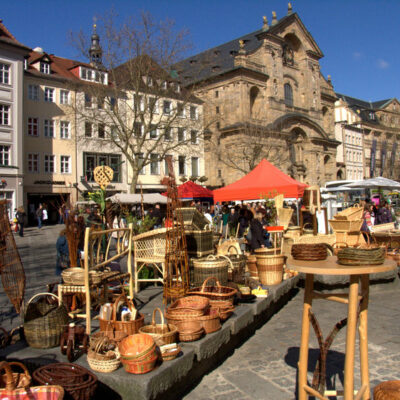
20	215
156	214
62	252
257	232
384	215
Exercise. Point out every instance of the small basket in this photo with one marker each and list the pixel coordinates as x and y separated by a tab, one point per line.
309	252
345	225
128	327
353	256
350	214
189	334
389	390
99	362
270	269
137	347
237	266
252	266
161	333
216	292
44	323
210	322
76	276
17	379
170	355
139	367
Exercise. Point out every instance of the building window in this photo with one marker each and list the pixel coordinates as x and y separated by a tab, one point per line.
193	137
101	131
154	164
114	134
138	128
193	112
5	73
166	168
49	128
4	155
65	164
218	125
64	96
288	94
33	92
216	94
64	130
181	135
88	129
195	166
88	100
113	103
181	165
140	158
44	68
219	173
49	95
49	163
168	134
100	102
152	105
180	110
33	126
153	132
94	76
92	160
4	114
217	110
167	107
33	162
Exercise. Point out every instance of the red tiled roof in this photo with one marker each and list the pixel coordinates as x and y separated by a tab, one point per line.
7	37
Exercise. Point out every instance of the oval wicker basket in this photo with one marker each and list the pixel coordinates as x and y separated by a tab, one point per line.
139	367
309	251
216	292
76	276
210	266
161	333
169	355
356	256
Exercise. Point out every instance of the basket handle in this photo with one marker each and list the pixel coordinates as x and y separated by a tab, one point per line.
230	262
211	257
308	223
335	245
102	340
206	281
126	301
10	382
43	294
233	247
153	319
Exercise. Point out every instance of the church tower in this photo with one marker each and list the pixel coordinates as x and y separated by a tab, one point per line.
95	51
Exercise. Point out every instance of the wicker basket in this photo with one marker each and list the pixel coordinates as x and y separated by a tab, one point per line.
18	379
350	214
237	267
128	327
215	292
284	216
168	355
389	390
210	266
199	243
76	276
252	266
150	246
140	367
44	323
192	217
210	322
309	252
353	256
78	382
161	333
345	225
270	269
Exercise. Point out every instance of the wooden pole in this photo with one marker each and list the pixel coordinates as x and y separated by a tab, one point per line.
86	274
129	263
363	333
351	338
305	335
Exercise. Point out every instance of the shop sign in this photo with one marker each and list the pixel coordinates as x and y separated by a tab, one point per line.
49	183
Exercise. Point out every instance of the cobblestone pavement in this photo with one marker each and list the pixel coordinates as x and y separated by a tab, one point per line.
38	254
265	366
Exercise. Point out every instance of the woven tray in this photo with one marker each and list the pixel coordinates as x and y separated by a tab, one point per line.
353	256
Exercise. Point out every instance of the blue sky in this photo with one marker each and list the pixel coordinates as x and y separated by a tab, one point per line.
359	38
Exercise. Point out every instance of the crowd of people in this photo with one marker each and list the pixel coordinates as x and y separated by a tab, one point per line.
376	214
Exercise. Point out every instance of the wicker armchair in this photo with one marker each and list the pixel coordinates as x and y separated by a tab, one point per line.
97	257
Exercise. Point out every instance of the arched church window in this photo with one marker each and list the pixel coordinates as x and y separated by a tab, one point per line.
255	99
288	95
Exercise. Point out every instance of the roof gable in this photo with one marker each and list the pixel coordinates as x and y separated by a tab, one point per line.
388	104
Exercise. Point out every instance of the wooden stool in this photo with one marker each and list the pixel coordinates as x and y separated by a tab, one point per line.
389	390
356	274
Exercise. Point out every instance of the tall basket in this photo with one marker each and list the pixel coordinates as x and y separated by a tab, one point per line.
270	269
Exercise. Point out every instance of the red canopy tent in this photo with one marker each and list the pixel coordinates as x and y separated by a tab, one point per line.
191	190
262	180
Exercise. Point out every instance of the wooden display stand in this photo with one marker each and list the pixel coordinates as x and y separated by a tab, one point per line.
314	220
356	274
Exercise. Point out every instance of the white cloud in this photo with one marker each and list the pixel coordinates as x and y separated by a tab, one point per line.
357	55
382	64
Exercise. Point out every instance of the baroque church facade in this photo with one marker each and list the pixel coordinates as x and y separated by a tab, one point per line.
265	97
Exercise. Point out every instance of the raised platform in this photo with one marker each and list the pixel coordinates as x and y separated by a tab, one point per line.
169	379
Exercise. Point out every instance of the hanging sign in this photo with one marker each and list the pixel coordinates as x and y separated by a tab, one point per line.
373	159
383	157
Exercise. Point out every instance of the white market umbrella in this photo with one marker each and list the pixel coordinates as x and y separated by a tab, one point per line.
375	183
136	198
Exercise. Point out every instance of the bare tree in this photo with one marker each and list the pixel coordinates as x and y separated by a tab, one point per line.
244	145
135	101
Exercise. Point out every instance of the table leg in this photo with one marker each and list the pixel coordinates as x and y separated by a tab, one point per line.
305	335
351	338
363	333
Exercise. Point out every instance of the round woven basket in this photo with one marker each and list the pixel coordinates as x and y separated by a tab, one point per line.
210	266
161	333
105	365
389	390
252	266
270	269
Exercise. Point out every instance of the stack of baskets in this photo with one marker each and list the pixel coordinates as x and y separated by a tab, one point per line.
138	353
78	382
309	252
348	220
204	268
353	256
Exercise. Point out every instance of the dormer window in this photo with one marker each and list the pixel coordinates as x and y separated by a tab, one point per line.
164	85
372	116
92	75
149	81
44	67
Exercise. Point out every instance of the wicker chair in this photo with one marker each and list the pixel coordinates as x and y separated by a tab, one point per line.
95	259
149	249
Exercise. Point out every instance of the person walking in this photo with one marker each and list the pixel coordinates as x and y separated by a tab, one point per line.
39	216
20	215
45	216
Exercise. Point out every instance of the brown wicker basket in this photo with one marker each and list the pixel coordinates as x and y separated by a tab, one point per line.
210	266
389	390
20	379
354	256
345	225
128	327
76	276
168	355
161	333
44	323
237	266
199	243
252	265
350	214
216	292
270	269
309	252
103	362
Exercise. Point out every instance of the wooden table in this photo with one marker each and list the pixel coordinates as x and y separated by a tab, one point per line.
356	274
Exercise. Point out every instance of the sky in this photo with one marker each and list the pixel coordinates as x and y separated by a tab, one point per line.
359	38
